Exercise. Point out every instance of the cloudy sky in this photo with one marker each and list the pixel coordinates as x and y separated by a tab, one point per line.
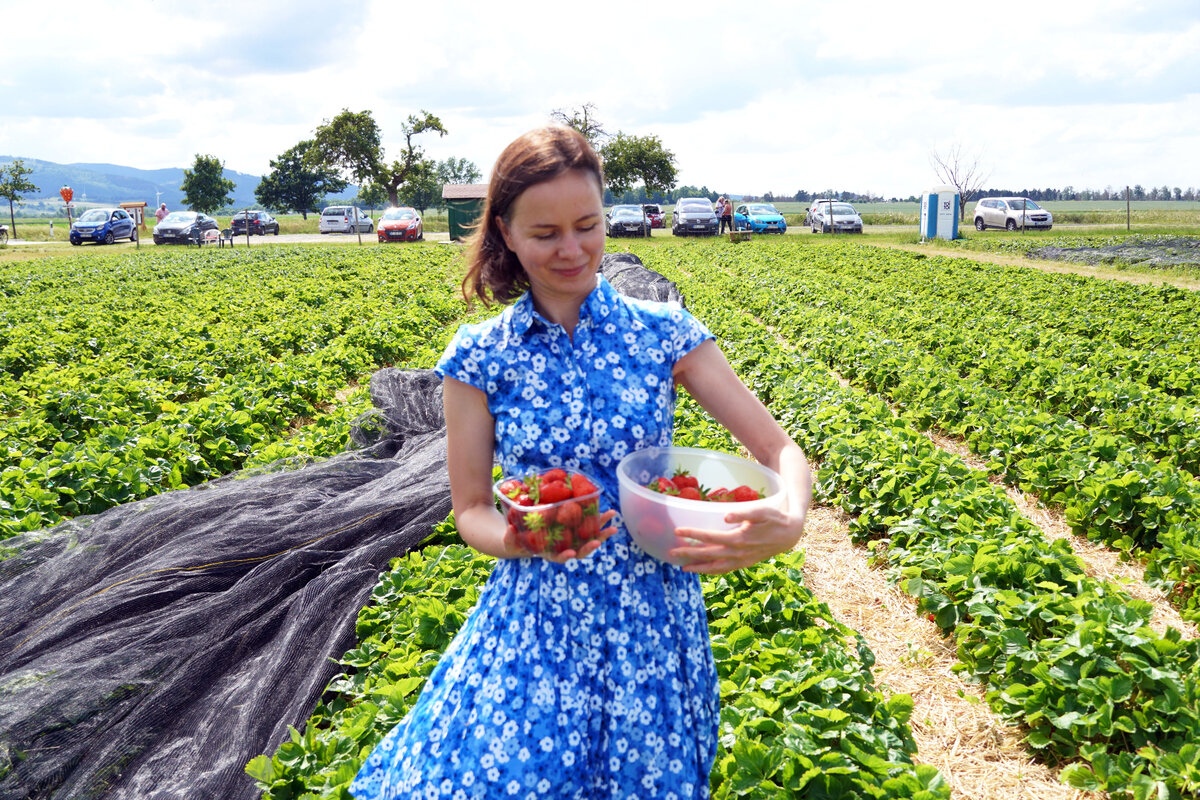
751	96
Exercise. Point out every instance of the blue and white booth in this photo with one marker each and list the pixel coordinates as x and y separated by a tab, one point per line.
939	213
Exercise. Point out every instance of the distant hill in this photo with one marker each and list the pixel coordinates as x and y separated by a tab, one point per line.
109	184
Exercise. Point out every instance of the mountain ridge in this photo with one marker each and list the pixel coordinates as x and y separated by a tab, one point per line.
97	184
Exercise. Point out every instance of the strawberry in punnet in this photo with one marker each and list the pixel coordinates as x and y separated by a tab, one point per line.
554	491
581	485
552	511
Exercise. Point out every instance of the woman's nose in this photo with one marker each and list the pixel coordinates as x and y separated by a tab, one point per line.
570	244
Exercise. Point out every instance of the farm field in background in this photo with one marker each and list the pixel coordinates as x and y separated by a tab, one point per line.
1181	215
127	373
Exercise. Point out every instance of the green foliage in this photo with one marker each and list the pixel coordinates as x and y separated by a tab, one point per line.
130	374
14	182
352	142
205	187
296	184
630	159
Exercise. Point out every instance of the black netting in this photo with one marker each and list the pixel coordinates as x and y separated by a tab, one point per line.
152	650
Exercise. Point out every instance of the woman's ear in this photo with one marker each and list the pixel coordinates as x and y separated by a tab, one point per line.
504	232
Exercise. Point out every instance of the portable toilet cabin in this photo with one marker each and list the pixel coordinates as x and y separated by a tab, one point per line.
464	205
939	213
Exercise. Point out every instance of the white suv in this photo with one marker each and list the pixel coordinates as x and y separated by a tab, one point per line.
341	219
1011	213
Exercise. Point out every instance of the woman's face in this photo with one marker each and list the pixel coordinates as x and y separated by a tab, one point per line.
556	230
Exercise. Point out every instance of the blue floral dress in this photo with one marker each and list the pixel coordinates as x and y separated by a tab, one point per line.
593	679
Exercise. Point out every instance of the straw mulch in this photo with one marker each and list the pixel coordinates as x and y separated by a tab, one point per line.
980	757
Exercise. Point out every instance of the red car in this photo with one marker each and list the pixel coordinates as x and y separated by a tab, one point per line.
401	224
654	212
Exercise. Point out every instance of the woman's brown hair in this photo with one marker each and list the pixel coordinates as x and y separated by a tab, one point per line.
493	272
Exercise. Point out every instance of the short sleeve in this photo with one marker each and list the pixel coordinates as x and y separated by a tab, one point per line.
461	358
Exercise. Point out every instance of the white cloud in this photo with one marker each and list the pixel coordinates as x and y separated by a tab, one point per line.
775	96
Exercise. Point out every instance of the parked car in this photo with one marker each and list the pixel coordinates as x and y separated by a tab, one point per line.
813	207
626	221
759	218
401	224
694	215
103	226
654	213
259	222
1011	213
183	227
340	219
836	218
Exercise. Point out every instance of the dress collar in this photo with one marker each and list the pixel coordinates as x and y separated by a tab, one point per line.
599	303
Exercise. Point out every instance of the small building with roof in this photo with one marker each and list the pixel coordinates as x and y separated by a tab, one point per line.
464	205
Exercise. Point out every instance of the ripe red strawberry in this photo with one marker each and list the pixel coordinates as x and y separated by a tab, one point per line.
690	493
532	540
719	495
663	486
589	528
554	491
742	494
569	516
581	486
683	480
555	474
511	488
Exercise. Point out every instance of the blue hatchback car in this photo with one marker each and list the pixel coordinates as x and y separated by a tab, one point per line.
103	226
759	217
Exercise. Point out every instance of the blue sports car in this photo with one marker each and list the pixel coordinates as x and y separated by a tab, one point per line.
759	218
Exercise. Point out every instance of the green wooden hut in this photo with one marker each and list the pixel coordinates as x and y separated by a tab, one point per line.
464	204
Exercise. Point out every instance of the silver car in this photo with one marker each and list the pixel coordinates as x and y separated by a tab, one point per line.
342	219
694	216
1011	213
835	217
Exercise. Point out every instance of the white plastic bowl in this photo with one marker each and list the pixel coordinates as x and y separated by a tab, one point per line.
652	517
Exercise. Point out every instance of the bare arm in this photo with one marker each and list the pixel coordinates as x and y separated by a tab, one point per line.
707	376
470	440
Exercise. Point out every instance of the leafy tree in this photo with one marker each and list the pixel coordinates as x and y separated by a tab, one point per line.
295	184
582	120
458	170
351	142
424	188
14	182
205	187
372	196
960	171
632	159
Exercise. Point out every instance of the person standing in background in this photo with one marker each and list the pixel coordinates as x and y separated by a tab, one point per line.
161	212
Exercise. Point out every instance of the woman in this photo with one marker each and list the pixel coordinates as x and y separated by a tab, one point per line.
589	673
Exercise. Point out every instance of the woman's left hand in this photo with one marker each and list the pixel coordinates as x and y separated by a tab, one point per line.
761	534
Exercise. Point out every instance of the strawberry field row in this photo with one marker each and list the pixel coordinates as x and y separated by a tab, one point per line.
1120	359
1072	659
1112	491
123	376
